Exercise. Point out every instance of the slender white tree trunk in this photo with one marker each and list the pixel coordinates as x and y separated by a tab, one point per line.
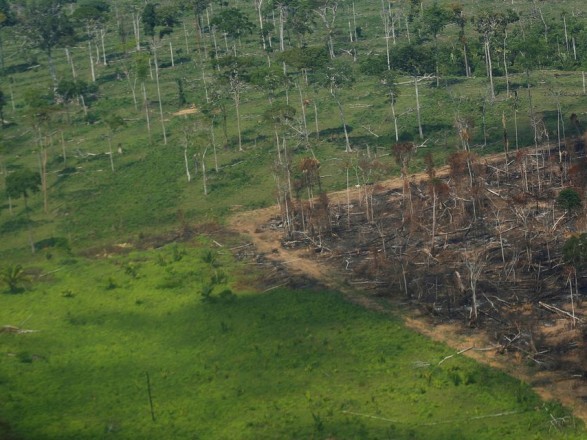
187	164
213	138
159	96
420	131
489	68
348	148
102	35
146	104
394	119
204	172
110	152
91	61
237	99
70	61
303	107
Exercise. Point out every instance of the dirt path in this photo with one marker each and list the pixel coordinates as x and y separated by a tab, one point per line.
571	391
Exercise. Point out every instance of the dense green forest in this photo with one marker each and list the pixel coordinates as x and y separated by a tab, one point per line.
131	132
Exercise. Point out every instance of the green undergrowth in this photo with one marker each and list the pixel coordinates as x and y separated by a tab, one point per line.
226	363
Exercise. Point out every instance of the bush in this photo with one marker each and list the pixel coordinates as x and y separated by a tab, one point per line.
569	200
53	242
575	251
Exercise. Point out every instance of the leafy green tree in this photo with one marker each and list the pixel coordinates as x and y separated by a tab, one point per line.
306	59
149	19
233	23
460	19
569	200
46	26
434	20
235	74
198	7
92	15
69	90
269	79
13	277
414	59
294	17
40	105
21	183
491	26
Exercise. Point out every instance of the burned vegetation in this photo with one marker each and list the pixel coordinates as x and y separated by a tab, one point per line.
496	243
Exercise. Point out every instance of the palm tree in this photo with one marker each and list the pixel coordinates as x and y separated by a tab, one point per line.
13	277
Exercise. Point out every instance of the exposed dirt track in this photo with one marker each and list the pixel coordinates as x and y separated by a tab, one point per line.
570	389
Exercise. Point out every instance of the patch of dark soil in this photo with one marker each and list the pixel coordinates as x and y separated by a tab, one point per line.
220	235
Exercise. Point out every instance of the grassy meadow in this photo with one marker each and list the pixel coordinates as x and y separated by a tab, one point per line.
236	363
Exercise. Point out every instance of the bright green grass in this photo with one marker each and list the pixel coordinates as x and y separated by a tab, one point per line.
283	364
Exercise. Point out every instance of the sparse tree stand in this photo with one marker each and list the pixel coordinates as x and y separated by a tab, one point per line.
491	25
435	18
92	15
19	184
165	19
198	7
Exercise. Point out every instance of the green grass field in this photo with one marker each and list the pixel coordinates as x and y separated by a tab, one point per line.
247	365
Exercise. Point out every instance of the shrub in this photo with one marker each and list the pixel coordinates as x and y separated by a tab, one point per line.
13	277
575	251
569	200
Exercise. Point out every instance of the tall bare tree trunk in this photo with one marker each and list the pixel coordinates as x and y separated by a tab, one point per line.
418	108
159	95
146	105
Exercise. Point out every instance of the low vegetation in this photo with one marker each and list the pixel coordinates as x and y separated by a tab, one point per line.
96	341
